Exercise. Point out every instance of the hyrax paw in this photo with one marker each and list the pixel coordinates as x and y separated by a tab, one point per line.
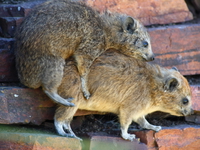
130	137
157	128
70	99
86	95
70	104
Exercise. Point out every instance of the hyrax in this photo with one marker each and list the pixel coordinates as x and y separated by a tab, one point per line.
127	87
59	29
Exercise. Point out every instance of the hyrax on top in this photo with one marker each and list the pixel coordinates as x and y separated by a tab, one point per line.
59	29
125	86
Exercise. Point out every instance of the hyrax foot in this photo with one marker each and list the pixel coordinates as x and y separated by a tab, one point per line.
152	127
73	136
60	126
56	98
127	136
86	94
155	128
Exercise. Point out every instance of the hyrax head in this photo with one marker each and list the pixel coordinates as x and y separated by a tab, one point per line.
133	37
176	98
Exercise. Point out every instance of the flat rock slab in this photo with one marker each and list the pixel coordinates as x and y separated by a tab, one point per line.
178	46
181	137
149	12
24	105
24	138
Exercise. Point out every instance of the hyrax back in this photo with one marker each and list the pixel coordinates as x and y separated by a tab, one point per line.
125	86
59	29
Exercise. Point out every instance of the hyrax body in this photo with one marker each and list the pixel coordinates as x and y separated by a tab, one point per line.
59	29
127	87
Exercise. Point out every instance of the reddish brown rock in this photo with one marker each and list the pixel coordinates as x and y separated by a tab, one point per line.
147	137
178	138
178	46
24	105
149	12
196	97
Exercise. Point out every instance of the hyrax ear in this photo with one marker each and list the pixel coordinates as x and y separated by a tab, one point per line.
171	84
174	68
129	25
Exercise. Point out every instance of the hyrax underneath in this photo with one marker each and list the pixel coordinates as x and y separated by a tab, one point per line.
59	29
127	87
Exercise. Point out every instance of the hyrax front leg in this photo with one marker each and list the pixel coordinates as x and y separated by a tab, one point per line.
145	124
125	121
83	65
51	79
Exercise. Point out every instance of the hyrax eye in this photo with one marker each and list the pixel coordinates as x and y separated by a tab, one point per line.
185	101
145	43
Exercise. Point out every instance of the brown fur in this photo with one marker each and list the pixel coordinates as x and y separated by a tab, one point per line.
59	29
127	87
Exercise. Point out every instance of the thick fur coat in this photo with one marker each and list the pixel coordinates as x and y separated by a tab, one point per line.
59	29
125	86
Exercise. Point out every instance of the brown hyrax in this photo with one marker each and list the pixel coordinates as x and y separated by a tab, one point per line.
125	86
59	29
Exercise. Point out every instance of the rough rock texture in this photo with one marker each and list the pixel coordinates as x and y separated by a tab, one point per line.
180	138
149	12
24	105
147	137
178	46
20	138
196	97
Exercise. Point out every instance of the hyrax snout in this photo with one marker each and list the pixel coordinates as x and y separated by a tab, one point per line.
125	86
59	29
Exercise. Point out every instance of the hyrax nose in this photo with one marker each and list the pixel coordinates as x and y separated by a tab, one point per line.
150	57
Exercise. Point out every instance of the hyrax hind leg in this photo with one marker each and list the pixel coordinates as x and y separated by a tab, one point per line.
62	119
51	79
